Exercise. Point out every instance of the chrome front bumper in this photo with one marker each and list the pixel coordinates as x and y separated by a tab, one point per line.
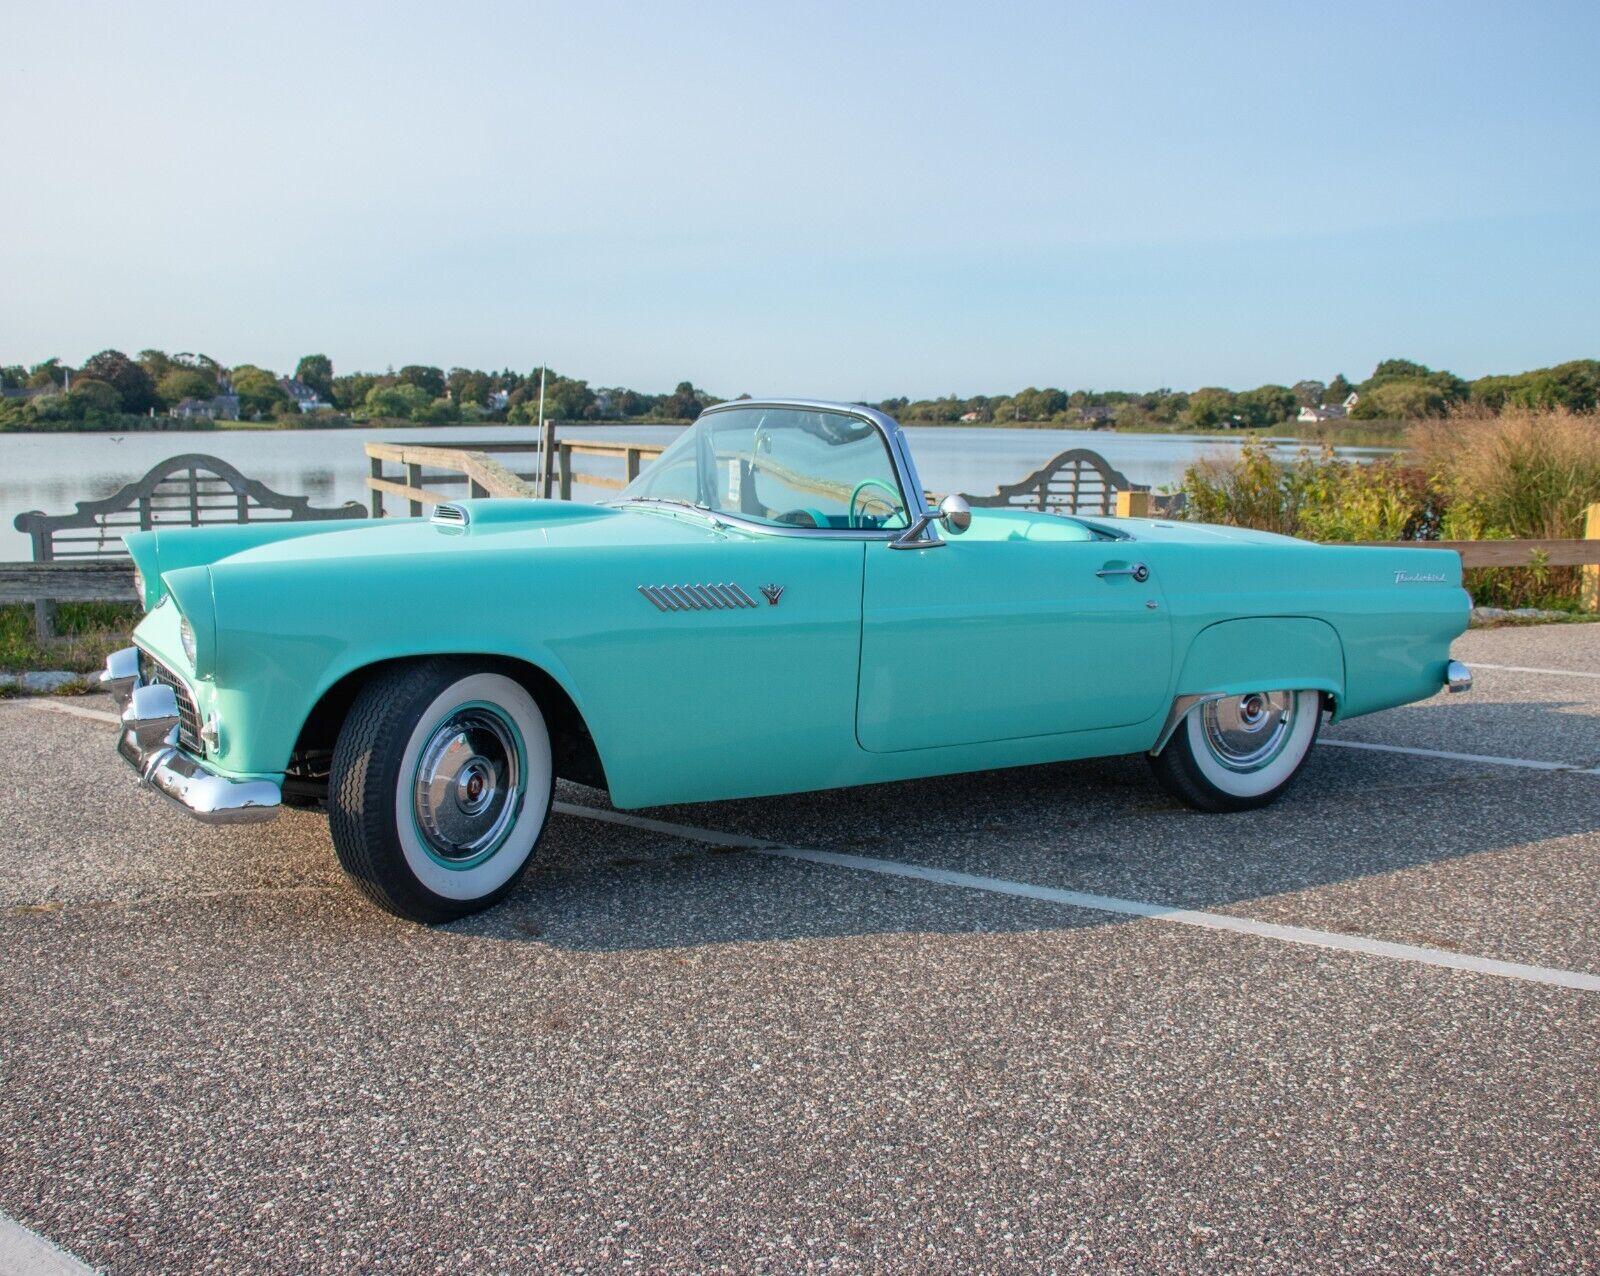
149	744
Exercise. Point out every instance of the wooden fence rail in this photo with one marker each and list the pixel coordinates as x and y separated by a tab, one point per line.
428	470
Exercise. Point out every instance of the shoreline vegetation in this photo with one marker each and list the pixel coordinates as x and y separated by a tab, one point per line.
1522	473
112	392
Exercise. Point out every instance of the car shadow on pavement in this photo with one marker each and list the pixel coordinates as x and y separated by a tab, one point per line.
1101	827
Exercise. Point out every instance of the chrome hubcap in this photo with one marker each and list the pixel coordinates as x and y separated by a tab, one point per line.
1245	733
469	786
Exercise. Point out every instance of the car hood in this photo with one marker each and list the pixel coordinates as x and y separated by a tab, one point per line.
489	524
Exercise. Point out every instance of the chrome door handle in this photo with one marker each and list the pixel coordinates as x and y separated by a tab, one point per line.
1138	571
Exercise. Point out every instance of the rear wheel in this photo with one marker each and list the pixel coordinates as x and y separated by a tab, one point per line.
1239	752
440	787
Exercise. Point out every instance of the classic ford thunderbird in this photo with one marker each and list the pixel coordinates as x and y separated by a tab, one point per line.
771	607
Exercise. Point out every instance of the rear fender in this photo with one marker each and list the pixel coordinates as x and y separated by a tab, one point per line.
1269	653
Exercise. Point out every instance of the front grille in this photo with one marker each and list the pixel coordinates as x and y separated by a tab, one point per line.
152	671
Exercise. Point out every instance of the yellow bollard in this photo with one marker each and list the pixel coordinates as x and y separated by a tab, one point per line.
1590	595
1133	503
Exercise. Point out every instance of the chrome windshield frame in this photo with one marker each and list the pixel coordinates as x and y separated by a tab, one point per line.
905	472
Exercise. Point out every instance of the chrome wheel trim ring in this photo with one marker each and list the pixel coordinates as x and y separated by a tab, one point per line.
468	786
1246	733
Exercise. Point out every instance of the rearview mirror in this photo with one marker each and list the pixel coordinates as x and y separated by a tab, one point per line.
953	512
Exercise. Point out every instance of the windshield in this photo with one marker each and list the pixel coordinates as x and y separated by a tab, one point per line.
791	467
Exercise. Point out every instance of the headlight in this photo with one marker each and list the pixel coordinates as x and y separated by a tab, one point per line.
138	586
186	634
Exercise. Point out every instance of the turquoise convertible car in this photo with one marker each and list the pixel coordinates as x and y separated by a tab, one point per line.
771	607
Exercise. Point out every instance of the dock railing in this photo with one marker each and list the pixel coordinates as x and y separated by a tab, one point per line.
495	469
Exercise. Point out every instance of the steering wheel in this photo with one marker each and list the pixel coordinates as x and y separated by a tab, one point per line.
894	498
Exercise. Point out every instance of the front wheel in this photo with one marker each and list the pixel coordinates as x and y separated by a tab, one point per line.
440	787
1239	752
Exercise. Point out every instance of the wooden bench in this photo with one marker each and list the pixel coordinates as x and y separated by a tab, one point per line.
192	490
1077	481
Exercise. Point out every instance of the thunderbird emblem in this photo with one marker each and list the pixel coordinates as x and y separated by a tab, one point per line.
772	593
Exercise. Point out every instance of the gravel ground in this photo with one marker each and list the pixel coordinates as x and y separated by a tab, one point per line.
658	1055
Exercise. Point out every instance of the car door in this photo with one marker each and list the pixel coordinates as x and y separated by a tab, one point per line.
994	639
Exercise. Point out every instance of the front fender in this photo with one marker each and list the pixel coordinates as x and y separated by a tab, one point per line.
282	643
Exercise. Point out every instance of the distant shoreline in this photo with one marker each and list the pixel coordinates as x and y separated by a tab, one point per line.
1346	434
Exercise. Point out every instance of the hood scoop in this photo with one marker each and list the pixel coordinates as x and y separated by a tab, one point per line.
452	518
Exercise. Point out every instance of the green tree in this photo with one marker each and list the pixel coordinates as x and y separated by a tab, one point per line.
156	363
93	399
350	392
1266	405
13	376
403	401
439	412
132	383
186	383
1310	394
316	371
565	399
1338	390
429	380
258	390
1209	407
51	372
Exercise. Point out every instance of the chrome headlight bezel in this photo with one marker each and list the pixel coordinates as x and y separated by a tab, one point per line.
186	637
139	590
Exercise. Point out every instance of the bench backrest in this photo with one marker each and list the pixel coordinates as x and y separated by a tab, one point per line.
1077	481
182	491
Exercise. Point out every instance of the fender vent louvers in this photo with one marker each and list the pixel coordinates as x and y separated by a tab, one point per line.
696	597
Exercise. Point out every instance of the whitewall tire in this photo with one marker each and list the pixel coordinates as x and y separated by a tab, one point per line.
1239	752
440	788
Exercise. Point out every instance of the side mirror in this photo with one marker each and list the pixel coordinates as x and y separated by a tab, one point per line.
953	512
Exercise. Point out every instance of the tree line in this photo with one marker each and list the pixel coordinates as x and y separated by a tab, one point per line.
111	388
1397	390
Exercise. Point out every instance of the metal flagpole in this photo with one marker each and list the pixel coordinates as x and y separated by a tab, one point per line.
546	471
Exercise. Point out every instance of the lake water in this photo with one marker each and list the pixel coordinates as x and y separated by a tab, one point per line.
52	472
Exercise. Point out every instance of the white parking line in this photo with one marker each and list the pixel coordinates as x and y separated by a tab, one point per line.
1108	903
1560	673
1488	759
67	707
25	1253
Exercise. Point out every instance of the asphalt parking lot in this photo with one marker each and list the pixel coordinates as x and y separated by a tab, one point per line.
1358	1031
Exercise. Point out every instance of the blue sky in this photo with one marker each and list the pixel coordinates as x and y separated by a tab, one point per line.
853	200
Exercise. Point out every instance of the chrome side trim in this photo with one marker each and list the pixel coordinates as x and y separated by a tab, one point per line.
722	597
722	519
1457	676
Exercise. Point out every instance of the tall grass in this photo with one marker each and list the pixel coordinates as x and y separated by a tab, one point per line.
87	634
1526	473
1522	474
